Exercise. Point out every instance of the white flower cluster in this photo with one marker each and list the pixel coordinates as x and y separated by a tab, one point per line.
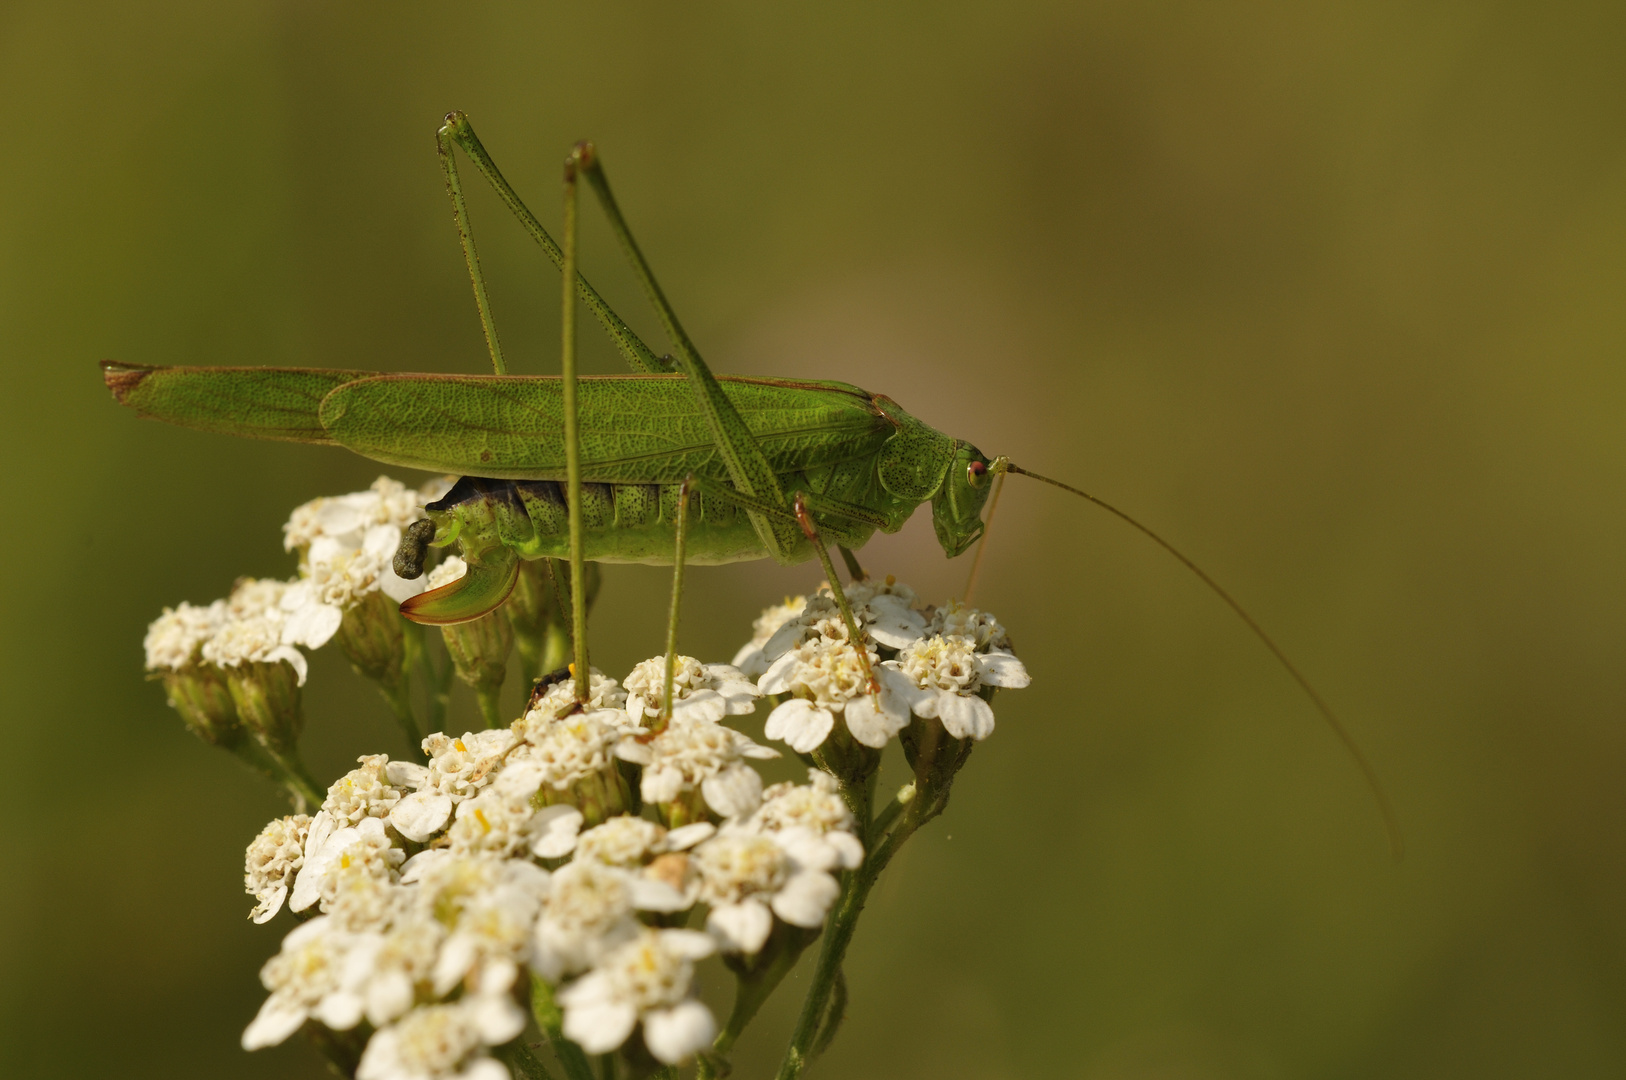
346	544
429	889
935	663
576	845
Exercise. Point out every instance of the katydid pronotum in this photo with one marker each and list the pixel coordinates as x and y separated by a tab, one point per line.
668	465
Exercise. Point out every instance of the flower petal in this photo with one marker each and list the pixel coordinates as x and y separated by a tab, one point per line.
674	1034
776	680
742	927
685	837
421	815
848	848
871	722
965	717
600	1027
406	774
270	903
805	898
277	1019
312	624
734	792
554	830
800	723
1002	669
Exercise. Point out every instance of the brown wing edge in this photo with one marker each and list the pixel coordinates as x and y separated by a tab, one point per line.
122	378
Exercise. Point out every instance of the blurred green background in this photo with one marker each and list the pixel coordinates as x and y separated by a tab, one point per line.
1331	294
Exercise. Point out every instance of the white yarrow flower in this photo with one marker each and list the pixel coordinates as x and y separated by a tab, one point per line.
306	980
648	978
252	632
370	791
346	518
708	691
694	754
591	908
444	1042
747	877
816	807
489	906
884	611
458	769
825	677
175	638
949	673
957	620
560	698
333	852
749	660
272	862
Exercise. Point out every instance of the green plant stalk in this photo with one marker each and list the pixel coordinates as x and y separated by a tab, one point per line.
490	701
398	695
839	929
520	1059
551	1021
749	996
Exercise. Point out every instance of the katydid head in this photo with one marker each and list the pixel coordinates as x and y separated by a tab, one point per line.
957	505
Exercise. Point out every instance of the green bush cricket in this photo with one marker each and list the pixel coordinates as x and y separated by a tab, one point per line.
667	465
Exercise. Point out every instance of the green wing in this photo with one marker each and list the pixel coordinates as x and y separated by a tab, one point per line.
636	429
257	403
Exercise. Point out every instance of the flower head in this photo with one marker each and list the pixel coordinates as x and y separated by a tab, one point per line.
489	907
560	698
824	676
272	862
698	757
458	769
749	660
748	876
252	631
372	790
949	674
344	859
344	519
709	691
444	1042
957	620
884	611
175	639
648	978
815	807
590	909
306	982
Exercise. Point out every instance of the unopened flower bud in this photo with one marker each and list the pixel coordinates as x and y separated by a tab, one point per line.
479	649
200	694
268	702
372	637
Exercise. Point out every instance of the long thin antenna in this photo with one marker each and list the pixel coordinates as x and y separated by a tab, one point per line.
982	542
1391	823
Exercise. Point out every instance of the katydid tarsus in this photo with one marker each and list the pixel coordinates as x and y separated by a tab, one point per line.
668	465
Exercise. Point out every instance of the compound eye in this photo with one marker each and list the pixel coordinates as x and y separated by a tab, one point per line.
976	473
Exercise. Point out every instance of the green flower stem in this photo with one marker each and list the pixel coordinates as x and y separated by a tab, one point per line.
606	1066
889	813
302	787
490	699
750	991
551	1021
438	683
519	1058
399	697
838	934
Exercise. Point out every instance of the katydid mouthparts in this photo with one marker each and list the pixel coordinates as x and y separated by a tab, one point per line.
624	468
